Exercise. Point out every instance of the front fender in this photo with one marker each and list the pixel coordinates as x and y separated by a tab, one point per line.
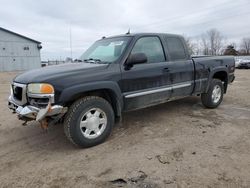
69	93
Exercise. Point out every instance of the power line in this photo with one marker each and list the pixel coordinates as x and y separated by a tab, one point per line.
166	21
178	17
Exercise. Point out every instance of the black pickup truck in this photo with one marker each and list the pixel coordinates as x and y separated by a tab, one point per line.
117	74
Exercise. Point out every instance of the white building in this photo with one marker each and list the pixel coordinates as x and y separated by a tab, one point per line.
17	52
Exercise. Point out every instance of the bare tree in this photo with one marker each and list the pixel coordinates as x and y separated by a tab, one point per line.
245	45
215	41
212	42
205	45
190	45
197	44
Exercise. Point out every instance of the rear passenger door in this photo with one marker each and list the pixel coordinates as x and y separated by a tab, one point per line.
180	65
145	84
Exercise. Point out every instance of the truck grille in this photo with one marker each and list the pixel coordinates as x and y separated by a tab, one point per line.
19	93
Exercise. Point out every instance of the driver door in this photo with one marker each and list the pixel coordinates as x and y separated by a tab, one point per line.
148	83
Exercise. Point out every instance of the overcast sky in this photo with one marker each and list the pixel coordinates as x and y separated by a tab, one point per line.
49	21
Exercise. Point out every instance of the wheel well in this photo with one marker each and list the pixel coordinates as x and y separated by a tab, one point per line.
222	75
107	94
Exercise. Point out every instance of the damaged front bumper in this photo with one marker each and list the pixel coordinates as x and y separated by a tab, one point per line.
29	112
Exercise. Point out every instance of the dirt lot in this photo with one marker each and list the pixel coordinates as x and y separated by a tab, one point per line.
177	144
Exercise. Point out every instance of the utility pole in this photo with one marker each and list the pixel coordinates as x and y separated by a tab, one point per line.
70	39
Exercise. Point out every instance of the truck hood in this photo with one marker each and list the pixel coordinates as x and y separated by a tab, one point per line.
50	73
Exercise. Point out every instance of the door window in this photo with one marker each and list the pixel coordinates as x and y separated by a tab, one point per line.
176	49
151	47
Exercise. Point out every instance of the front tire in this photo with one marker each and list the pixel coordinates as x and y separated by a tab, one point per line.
214	96
89	121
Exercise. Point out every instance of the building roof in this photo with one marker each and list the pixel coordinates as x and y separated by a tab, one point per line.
19	35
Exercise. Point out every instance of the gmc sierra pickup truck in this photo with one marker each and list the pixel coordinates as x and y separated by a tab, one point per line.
117	74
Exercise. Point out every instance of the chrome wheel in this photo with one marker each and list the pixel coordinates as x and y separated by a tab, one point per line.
216	94
93	123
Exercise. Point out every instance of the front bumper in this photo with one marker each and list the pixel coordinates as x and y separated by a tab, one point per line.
29	112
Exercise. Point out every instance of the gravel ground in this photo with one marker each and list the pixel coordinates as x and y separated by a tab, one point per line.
177	144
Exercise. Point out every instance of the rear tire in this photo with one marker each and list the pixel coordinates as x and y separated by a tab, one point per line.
214	96
89	121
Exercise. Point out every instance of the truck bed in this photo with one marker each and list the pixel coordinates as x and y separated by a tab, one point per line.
206	66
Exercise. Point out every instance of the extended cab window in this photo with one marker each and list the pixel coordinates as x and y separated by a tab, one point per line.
151	47
175	49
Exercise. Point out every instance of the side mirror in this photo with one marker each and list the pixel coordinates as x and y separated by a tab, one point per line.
136	58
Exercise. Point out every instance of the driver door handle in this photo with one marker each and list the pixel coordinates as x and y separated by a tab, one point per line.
166	69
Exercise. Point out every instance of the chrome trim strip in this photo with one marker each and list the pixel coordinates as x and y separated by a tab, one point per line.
202	79
181	86
19	85
176	86
147	92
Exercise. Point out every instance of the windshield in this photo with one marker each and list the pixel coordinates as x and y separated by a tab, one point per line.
105	50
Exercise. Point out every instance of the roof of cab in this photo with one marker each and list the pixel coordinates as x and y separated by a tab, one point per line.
144	34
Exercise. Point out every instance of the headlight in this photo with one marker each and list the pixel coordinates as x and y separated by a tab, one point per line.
41	88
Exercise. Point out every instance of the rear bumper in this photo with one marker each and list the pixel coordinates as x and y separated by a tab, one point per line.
29	112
